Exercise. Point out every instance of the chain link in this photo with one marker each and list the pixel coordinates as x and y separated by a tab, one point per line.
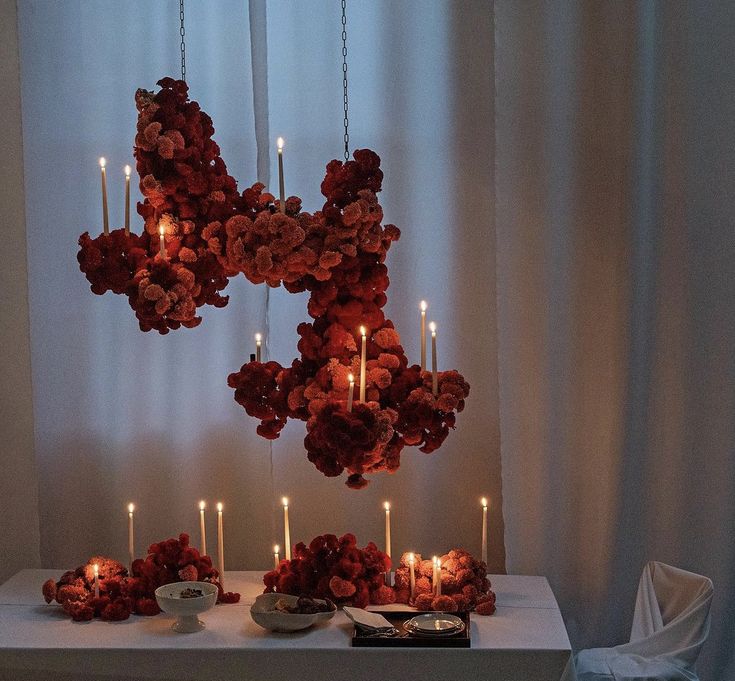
183	44
344	78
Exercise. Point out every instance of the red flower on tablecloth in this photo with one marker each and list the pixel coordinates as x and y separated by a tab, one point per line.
465	585
121	594
334	568
337	254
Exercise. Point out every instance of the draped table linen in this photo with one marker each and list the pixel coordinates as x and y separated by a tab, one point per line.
525	640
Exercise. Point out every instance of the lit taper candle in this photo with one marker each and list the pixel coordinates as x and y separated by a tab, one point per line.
281	183
350	391
220	546
412	575
286	530
386	506
131	538
363	362
127	200
96	569
105	215
276	559
434	373
162	241
483	501
422	305
258	344
202	528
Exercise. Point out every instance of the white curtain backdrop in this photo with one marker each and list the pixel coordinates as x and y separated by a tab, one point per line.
126	416
593	142
615	171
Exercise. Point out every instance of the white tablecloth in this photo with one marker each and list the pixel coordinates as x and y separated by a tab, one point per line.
525	640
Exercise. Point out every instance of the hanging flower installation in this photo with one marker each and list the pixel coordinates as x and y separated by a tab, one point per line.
199	231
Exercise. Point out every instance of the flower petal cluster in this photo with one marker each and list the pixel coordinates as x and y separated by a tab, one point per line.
334	568
465	585
122	594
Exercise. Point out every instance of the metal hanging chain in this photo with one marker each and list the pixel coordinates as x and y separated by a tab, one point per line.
183	44
344	78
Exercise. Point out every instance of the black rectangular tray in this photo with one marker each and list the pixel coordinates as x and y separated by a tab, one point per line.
406	640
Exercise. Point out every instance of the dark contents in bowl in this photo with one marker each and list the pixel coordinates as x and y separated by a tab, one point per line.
304	606
191	593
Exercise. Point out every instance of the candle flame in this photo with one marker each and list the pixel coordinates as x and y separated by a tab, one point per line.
363	330
350	378
127	171
161	230
411	558
483	501
276	548
258	338
432	327
423	306
279	142
131	508
219	507
96	569
103	162
202	505
386	505
284	501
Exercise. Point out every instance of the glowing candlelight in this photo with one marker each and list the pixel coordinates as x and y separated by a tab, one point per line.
275	556
162	245
363	363
202	528
386	506
435	575
258	343
286	529
434	374
483	501
127	200
281	183
96	569
220	546
105	217
412	575
438	577
422	305
350	391
131	539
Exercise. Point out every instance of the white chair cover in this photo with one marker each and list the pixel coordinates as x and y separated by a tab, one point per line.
670	626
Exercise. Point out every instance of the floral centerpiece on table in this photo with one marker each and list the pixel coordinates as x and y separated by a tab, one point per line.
121	594
464	583
334	568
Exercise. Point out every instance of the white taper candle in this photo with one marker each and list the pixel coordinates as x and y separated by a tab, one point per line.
363	363
105	216
281	183
220	546
286	530
131	538
202	528
483	501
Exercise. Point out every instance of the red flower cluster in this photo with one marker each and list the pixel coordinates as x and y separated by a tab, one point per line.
336	569
120	594
465	585
337	254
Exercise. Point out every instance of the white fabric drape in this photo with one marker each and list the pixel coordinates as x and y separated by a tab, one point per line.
125	416
616	263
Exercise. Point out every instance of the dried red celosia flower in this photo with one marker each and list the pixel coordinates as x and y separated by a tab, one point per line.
121	594
336	569
337	254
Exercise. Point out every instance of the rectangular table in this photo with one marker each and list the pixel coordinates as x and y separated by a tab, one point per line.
525	640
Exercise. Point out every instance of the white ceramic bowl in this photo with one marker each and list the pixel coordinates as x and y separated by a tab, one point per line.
187	610
264	613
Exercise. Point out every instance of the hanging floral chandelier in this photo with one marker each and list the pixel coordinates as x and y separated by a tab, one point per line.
200	231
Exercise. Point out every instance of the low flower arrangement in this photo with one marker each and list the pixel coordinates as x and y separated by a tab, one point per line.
122	594
335	568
